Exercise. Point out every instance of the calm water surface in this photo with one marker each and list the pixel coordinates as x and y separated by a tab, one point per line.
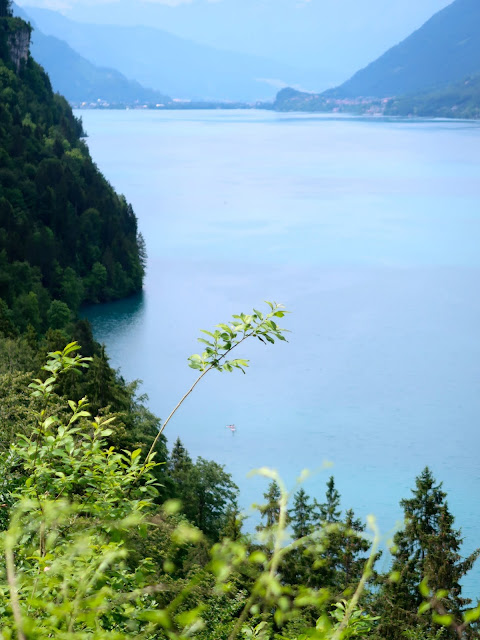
369	232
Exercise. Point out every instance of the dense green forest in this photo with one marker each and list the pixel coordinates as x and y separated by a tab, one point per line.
105	533
65	236
110	542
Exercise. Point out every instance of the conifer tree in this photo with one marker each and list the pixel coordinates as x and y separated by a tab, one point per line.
298	566
206	491
180	461
345	549
5	8
232	528
101	387
329	510
180	474
302	514
271	509
352	553
214	492
426	549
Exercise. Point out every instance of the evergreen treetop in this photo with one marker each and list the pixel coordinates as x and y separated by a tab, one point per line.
180	460
302	514
329	510
270	510
5	8
426	552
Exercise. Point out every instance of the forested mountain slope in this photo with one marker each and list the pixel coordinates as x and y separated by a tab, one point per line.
444	50
65	235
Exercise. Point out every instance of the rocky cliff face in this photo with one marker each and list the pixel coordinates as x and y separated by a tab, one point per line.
18	45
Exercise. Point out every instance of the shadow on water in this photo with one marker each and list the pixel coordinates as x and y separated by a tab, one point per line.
117	317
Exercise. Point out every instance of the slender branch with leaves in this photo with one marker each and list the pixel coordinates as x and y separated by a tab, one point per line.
220	342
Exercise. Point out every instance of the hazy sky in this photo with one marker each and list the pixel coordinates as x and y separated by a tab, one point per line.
339	35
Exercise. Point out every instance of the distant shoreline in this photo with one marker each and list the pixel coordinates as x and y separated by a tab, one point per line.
270	107
173	106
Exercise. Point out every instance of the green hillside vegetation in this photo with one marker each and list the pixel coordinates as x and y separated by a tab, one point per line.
92	550
68	238
105	534
65	236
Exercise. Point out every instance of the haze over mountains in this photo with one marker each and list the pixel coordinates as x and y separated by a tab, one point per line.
439	55
435	71
167	63
445	49
326	40
78	79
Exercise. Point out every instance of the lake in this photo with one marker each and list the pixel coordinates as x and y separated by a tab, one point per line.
368	231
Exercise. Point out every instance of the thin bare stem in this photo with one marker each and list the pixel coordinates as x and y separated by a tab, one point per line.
182	400
274	562
177	407
12	585
281	526
242	618
367	572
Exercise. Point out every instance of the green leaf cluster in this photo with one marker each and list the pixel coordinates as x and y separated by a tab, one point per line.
226	337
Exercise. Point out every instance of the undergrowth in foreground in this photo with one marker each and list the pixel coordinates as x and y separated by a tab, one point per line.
76	507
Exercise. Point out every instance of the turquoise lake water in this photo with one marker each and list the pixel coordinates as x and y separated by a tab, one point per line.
369	232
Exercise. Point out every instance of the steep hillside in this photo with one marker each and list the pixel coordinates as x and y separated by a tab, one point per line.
444	50
65	236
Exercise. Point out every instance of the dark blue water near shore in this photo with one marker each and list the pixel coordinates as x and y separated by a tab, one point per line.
368	231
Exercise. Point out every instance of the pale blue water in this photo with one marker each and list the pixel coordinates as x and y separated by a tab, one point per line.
368	231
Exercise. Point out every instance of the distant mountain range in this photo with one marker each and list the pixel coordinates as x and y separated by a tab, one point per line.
166	63
444	50
325	41
434	71
81	81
